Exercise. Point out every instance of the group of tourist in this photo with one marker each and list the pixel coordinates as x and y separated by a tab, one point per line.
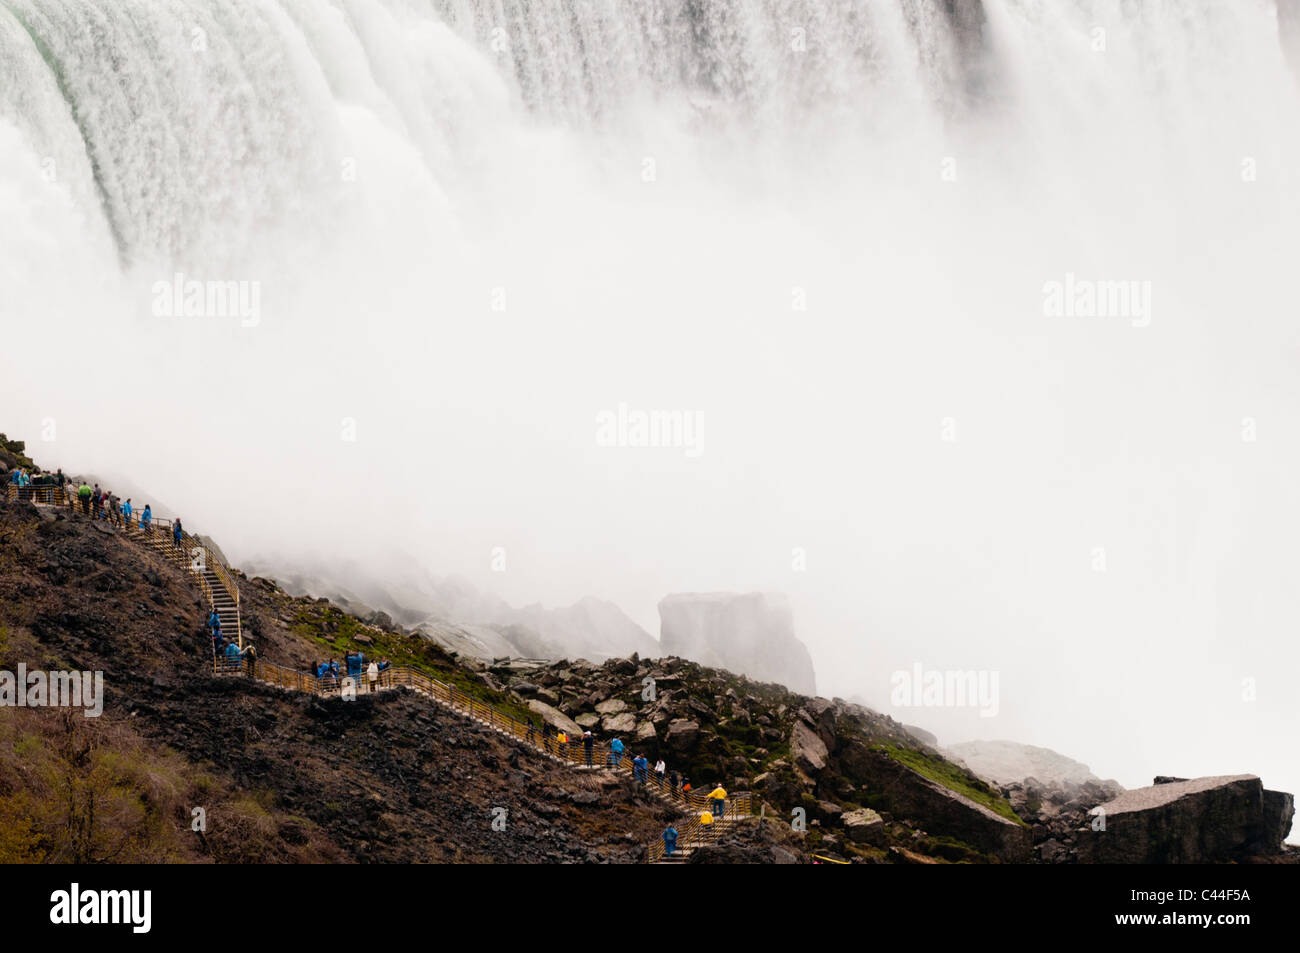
664	778
224	647
25	481
717	808
93	501
36	486
374	676
105	505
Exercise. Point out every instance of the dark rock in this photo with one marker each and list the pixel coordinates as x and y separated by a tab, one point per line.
1279	811
944	811
682	734
864	826
807	749
1206	820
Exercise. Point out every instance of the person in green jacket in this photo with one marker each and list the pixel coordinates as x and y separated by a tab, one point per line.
84	493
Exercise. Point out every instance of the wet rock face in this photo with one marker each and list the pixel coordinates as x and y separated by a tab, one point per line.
912	795
1205	820
751	634
1279	812
808	751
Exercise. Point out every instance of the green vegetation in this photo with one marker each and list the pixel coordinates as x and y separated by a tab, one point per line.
78	791
953	778
337	632
951	849
13	453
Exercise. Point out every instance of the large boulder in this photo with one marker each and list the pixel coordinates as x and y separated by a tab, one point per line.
937	809
556	718
619	724
807	749
829	813
612	706
864	826
752	634
682	734
1204	820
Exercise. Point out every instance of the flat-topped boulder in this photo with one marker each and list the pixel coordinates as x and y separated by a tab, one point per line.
556	718
864	826
1203	820
618	724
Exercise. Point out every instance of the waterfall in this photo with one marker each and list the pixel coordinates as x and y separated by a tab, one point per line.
434	241
191	124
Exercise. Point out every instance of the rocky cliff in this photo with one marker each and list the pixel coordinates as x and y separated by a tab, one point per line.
752	634
1198	821
855	783
283	777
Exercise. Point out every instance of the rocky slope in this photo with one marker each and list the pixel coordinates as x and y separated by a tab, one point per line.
284	777
820	764
280	776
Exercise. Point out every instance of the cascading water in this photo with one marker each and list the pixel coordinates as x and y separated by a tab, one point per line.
474	225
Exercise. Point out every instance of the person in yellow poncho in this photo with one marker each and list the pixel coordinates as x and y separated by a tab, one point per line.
718	800
706	817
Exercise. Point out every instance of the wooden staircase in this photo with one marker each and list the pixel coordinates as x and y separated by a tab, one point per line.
192	555
692	836
222	594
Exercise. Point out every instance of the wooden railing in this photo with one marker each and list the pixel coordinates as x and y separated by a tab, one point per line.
48	495
691	834
160	533
573	752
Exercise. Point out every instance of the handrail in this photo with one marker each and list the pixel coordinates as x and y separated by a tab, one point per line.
573	752
50	495
694	833
183	558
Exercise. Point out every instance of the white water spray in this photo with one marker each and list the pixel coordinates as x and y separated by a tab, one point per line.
825	228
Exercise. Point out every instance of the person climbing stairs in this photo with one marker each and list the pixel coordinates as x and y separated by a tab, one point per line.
222	594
